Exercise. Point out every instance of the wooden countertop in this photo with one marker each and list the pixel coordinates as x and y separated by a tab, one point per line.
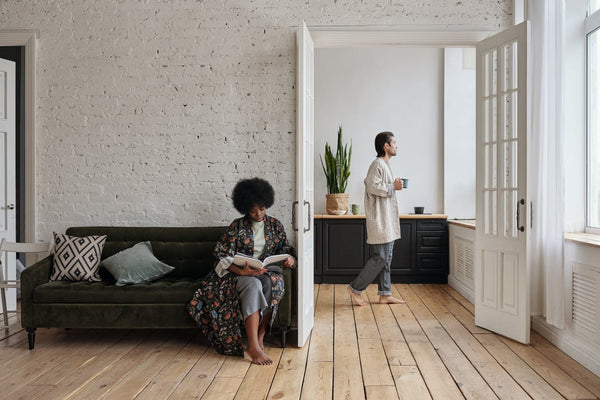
465	223
362	216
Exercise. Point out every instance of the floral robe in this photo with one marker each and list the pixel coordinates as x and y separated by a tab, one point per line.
215	307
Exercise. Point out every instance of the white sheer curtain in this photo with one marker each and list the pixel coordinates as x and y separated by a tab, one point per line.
547	162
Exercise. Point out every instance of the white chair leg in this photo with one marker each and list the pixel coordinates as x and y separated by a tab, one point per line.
4	311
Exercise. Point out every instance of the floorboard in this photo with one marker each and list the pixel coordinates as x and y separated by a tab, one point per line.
428	348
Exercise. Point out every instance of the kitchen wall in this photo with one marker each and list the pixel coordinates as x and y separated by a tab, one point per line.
426	96
369	90
459	133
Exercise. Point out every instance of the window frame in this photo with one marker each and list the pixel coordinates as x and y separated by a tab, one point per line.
592	24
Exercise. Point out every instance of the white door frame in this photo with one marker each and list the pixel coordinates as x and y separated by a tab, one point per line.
27	38
400	35
364	36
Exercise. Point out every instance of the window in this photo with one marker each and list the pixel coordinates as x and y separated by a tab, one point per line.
593	117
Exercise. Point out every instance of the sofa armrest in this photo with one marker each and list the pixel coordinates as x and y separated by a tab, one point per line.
31	277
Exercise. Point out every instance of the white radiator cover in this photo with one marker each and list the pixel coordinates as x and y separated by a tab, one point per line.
462	246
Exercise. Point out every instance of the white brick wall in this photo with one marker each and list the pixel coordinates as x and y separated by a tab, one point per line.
148	112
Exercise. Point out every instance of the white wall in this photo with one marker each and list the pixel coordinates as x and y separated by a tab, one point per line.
459	134
148	112
580	338
369	90
582	259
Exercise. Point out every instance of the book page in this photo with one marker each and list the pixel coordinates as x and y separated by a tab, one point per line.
241	259
275	259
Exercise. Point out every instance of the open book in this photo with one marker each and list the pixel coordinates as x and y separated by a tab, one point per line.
241	259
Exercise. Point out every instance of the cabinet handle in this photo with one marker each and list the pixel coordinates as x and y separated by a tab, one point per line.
294	222
519	226
309	217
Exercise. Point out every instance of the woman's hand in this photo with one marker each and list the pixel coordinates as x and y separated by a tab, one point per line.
289	262
247	271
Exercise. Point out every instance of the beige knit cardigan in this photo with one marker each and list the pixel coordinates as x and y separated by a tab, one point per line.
381	205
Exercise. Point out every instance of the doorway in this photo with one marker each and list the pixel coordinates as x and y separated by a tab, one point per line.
25	40
18	48
16	54
498	59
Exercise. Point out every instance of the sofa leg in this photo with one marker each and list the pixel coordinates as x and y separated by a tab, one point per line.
284	332
31	337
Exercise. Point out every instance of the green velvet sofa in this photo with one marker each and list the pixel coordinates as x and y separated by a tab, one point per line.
159	304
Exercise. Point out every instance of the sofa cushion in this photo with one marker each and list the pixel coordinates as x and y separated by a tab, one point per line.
136	264
166	290
188	249
77	258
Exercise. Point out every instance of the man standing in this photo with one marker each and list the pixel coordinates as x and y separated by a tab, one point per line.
383	224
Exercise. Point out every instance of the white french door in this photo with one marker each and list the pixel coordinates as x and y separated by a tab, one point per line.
7	170
305	182
502	286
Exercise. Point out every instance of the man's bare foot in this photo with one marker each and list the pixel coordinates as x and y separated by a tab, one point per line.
258	356
357	297
390	300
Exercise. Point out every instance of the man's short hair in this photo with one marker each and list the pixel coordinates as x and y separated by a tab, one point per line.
380	140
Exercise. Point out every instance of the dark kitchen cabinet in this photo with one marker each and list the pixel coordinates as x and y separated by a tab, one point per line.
420	255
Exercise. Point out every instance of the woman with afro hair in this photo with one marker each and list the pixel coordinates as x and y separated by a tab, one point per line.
233	292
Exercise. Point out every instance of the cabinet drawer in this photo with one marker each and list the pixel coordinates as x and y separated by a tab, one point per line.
432	261
431	225
431	242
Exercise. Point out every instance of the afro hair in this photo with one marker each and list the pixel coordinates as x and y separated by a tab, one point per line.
249	193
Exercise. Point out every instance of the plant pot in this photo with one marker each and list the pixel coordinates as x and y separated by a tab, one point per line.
336	203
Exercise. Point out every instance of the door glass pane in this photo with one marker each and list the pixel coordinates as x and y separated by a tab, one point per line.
509	55
486	74
594	5
2	95
490	166
510	212
514	116
494	70
491	212
593	167
494	118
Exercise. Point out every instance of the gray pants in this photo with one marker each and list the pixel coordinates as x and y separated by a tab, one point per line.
378	266
255	294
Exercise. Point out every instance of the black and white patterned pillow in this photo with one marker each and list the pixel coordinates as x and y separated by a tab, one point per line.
77	258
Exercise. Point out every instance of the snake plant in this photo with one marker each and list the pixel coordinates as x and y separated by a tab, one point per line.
337	167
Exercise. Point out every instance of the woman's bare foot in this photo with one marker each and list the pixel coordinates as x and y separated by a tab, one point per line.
258	356
262	329
357	297
390	300
261	337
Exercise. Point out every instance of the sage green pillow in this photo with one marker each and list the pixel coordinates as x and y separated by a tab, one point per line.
136	264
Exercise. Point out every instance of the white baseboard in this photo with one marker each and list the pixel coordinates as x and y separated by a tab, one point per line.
576	348
461	288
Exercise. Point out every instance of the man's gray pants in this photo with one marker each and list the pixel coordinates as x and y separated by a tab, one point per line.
378	266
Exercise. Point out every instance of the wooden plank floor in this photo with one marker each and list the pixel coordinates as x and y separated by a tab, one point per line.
428	348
